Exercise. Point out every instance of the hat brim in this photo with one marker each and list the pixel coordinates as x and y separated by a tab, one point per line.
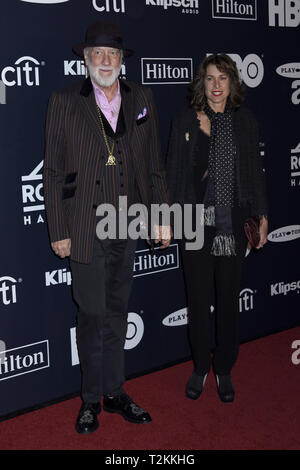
79	48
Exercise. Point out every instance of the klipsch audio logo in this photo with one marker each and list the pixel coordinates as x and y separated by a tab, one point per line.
295	166
178	318
187	6
285	234
234	9
146	263
285	288
25	359
32	195
58	276
26	71
116	6
167	71
246	300
284	13
251	68
292	70
77	67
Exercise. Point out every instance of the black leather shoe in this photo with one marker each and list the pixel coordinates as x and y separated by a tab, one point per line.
225	388
126	407
87	421
194	386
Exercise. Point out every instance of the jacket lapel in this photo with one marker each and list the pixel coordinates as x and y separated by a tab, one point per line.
87	104
191	132
128	106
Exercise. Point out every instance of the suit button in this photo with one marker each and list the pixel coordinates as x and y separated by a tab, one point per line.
97	181
95	206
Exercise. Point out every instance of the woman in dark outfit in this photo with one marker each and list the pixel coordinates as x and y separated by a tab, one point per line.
213	159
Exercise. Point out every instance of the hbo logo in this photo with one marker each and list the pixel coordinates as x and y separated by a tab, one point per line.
251	68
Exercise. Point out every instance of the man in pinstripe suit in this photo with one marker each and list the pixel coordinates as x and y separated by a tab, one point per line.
102	142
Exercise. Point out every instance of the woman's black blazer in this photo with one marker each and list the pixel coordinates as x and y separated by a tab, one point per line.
250	177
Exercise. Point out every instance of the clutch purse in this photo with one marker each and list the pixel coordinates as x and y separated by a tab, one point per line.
251	227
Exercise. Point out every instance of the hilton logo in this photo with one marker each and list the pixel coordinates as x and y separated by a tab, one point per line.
146	263
25	359
167	71
234	9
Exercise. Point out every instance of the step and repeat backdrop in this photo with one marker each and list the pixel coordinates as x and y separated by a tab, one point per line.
38	355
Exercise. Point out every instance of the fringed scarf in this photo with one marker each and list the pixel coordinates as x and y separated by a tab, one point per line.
219	197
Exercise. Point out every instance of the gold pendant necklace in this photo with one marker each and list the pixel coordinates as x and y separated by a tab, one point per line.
111	161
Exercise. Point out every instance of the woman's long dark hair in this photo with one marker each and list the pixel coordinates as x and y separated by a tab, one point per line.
224	64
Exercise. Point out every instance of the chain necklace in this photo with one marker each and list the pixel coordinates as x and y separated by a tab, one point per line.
111	161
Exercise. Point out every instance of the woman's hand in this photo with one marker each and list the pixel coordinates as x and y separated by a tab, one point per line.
263	231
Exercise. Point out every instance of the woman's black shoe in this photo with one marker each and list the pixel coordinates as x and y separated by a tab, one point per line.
194	386
225	388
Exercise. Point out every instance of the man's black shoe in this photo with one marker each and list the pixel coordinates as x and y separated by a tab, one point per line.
225	388
194	386
126	407
87	421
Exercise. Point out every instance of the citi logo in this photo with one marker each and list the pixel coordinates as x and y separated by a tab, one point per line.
173	3
8	290
246	300
167	71
59	276
118	6
285	234
289	70
32	194
25	72
282	288
284	13
25	359
234	9
146	263
178	318
251	68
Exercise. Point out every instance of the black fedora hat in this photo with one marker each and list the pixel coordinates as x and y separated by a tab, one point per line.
103	34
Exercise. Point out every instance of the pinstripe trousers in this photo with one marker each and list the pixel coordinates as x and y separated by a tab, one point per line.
101	290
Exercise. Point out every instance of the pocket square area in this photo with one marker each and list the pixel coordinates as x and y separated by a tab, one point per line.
142	119
142	115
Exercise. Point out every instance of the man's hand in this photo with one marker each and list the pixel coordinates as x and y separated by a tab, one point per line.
62	248
163	234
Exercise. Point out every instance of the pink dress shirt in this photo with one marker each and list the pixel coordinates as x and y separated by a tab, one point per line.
110	109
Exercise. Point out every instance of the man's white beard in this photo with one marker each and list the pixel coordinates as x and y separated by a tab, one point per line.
103	82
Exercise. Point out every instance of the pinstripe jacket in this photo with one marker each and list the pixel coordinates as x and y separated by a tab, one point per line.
73	163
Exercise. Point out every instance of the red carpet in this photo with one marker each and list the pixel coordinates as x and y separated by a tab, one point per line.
265	413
